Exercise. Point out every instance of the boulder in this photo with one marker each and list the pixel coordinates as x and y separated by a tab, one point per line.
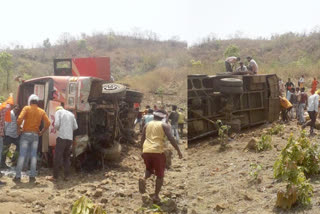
286	200
252	144
97	193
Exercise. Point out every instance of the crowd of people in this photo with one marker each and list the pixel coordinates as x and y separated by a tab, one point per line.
231	65
295	100
176	118
24	130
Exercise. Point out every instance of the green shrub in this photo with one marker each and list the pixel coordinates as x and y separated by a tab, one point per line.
232	50
276	130
255	170
85	205
264	143
299	158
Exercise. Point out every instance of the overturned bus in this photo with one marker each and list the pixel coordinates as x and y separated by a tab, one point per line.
104	110
240	101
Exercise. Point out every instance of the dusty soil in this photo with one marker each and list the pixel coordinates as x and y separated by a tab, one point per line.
220	181
115	188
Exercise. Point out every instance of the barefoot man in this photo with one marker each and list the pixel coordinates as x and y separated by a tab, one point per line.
152	141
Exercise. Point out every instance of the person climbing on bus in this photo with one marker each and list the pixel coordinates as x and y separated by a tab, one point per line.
230	63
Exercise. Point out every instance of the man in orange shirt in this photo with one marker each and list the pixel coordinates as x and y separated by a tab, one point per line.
314	85
29	139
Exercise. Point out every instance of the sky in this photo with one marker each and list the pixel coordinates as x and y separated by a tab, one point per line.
30	22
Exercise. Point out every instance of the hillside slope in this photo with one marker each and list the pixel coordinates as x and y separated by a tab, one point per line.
139	58
288	55
150	65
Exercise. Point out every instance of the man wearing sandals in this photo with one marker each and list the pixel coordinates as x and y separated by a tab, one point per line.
153	139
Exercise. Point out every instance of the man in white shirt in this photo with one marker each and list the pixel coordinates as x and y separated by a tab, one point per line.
301	82
65	123
313	104
230	63
253	66
242	68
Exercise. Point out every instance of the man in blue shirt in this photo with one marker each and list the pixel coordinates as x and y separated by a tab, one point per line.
11	136
147	118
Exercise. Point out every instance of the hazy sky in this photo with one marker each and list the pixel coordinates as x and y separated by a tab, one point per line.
29	22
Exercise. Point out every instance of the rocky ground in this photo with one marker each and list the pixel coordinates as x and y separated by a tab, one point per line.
219	181
206	180
115	189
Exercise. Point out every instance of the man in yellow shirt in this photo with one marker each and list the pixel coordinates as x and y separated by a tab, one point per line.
32	116
286	106
181	121
152	141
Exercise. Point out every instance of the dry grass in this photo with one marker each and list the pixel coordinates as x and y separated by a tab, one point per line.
148	64
159	79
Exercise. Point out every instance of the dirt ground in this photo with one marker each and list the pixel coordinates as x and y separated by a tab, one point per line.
206	180
115	188
220	181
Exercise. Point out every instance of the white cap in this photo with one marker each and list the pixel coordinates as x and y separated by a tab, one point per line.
33	97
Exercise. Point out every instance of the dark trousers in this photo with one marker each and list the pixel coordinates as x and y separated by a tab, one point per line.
180	126
312	122
228	66
62	157
284	113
